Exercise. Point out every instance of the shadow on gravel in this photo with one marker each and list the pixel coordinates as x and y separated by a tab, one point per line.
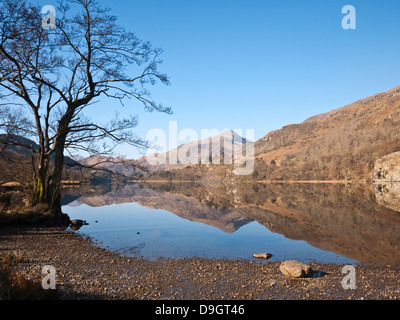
319	274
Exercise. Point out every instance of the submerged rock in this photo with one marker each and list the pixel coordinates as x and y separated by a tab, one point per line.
296	269
76	224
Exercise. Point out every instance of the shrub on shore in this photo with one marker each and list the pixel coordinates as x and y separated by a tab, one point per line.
14	285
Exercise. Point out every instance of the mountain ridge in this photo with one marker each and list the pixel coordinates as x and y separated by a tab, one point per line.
342	144
192	152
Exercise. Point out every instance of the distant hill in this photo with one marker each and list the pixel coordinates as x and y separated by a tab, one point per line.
191	153
16	161
108	166
15	151
18	152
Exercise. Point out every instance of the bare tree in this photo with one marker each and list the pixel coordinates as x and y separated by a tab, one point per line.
49	76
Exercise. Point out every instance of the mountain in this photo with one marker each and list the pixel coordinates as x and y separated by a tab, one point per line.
16	152
16	160
21	152
119	166
337	145
343	144
195	152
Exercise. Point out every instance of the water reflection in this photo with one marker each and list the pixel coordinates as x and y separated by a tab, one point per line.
388	194
356	221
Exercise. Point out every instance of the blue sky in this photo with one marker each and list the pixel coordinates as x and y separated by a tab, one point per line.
259	64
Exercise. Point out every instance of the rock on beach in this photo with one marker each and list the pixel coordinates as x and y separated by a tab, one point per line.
295	269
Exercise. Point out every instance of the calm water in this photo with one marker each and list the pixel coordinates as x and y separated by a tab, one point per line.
165	221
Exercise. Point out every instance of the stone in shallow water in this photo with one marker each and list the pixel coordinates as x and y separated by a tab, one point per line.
77	222
265	255
296	269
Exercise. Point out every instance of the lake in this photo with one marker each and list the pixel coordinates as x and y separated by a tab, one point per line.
323	223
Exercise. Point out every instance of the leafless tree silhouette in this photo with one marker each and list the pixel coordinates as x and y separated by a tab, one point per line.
49	76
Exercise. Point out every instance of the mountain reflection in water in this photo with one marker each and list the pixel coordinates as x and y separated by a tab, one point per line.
352	220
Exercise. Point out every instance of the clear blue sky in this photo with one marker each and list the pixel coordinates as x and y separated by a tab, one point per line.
260	64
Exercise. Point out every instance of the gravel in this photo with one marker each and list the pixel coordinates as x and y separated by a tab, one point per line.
85	270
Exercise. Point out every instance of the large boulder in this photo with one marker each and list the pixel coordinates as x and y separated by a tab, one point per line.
295	269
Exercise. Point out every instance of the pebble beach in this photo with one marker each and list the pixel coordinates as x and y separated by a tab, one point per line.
87	271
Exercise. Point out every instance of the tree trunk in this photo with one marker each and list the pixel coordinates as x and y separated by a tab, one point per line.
40	187
55	181
40	180
54	199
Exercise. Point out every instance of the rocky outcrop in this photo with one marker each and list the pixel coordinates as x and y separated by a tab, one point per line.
387	194
387	168
386	181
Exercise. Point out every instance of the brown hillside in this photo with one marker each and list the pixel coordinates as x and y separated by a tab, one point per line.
341	144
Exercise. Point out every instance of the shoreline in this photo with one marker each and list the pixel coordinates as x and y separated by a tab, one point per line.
85	271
